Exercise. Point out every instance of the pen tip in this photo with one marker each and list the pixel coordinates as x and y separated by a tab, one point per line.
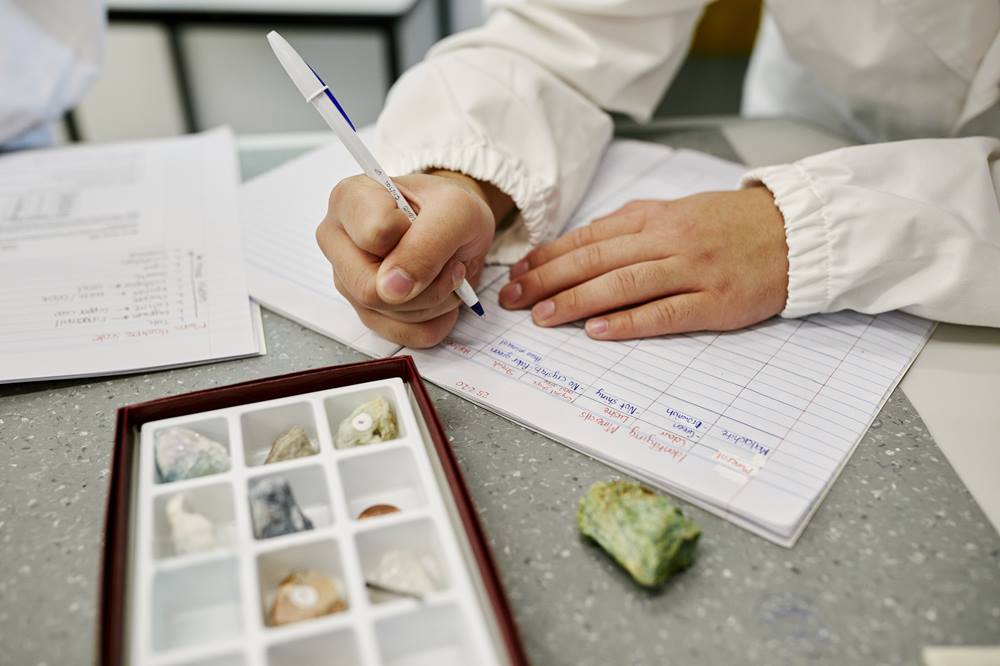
478	309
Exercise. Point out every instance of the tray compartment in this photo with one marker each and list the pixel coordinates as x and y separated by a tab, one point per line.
339	406
214	502
384	476
320	556
310	490
431	636
215	428
261	427
418	537
197	604
339	648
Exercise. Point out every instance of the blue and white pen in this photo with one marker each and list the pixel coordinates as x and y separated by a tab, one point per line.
319	95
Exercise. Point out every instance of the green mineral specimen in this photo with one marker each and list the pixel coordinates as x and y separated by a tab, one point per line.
370	423
643	531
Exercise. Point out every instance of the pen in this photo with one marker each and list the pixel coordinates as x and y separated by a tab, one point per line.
319	95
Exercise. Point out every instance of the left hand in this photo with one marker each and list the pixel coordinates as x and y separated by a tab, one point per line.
710	261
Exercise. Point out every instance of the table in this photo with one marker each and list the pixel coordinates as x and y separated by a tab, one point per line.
898	556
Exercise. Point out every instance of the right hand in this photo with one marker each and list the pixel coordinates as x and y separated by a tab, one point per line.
400	277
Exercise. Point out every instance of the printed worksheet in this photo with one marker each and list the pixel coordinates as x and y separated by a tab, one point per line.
753	425
121	258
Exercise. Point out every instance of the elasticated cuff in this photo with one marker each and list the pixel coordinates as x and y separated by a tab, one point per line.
485	162
807	232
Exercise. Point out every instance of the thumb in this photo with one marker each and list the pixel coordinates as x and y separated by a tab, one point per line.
449	218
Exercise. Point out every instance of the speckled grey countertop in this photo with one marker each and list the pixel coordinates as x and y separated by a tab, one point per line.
897	557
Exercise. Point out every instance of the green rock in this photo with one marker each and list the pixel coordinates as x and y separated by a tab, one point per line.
643	531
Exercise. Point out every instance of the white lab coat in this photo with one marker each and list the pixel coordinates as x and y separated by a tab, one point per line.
897	224
50	51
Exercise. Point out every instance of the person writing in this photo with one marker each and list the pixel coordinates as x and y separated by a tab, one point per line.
501	128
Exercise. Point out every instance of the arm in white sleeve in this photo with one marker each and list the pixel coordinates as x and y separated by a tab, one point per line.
909	225
520	102
49	54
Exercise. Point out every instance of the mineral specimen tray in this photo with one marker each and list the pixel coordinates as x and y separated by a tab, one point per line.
210	608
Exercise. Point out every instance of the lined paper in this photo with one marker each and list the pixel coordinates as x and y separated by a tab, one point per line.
118	258
752	425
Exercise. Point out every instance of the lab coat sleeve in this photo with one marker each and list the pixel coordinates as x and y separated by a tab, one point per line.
521	102
909	225
50	51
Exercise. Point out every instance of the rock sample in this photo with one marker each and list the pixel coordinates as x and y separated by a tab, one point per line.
370	423
274	510
293	444
377	510
643	531
405	571
185	454
303	595
191	532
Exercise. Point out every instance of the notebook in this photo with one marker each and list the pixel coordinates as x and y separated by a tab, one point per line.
753	425
118	258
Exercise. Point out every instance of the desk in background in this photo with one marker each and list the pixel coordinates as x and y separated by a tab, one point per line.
899	555
197	64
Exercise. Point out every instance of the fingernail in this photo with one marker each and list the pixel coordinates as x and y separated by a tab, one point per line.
458	274
544	310
511	293
519	269
597	326
396	283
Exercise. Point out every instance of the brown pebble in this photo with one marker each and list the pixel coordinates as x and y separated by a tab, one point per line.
377	510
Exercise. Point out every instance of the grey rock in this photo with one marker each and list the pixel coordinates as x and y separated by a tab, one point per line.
182	453
274	510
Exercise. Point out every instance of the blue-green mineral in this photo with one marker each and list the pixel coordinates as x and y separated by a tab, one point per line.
641	530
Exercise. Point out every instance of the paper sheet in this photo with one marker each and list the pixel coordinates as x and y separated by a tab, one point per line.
119	258
287	272
753	425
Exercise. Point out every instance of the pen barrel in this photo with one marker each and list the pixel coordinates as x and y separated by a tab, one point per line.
361	154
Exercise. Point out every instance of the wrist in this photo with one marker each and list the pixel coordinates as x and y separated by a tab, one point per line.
499	203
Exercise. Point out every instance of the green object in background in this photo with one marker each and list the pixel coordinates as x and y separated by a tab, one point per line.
643	531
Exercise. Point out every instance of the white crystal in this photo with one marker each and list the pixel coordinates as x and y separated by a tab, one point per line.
402	570
192	532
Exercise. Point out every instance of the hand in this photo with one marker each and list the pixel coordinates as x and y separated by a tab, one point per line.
711	261
399	277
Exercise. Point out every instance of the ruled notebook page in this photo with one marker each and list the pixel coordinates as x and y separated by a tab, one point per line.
753	425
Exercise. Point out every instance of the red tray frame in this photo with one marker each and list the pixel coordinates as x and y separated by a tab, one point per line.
114	584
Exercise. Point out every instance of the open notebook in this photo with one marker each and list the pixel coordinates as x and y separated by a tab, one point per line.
753	425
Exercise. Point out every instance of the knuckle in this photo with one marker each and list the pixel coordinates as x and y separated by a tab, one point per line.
593	256
535	282
665	314
583	236
365	292
624	282
569	301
